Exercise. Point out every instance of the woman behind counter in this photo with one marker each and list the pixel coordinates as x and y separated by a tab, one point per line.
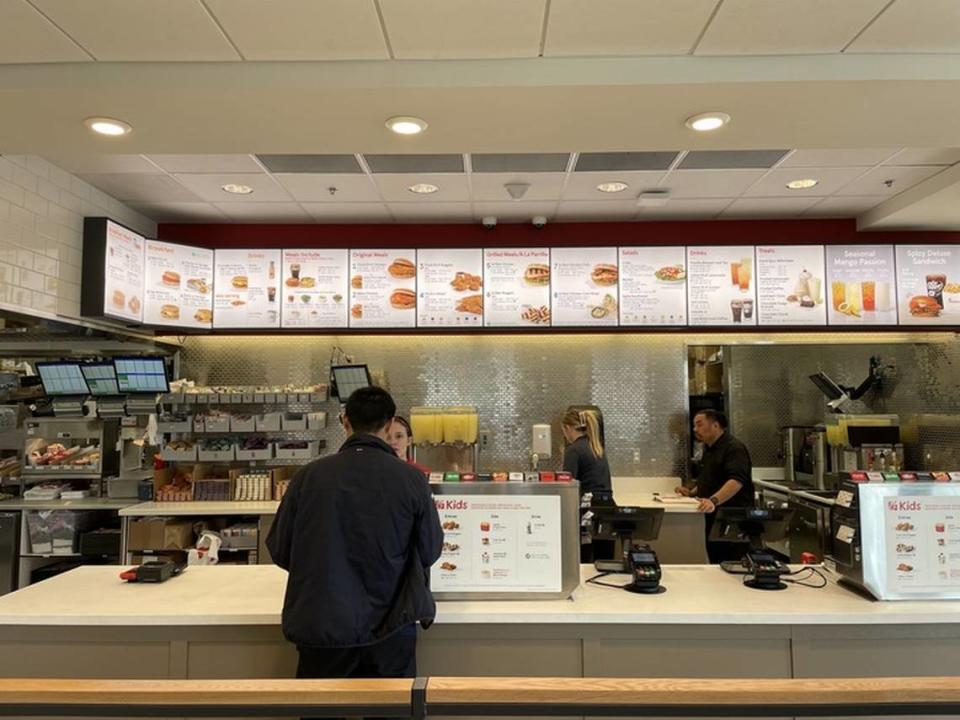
584	457
400	439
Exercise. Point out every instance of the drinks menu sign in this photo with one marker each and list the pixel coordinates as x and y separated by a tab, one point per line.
314	289
583	283
178	288
450	288
928	284
653	286
383	288
516	287
790	285
721	288
860	285
246	284
123	274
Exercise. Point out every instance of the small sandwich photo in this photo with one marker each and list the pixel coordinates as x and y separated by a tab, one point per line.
170	278
119	299
203	315
402	268
403	299
537	274
239	282
605	274
170	312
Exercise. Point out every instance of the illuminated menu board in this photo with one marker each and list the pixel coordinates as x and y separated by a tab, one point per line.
450	288
314	289
721	286
584	286
861	285
517	287
383	288
246	289
123	274
928	284
653	286
178	289
790	289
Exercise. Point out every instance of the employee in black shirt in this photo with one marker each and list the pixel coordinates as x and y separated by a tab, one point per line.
725	477
584	456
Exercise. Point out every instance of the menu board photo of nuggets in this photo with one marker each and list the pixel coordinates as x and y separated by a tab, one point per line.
123	274
383	288
179	286
246	289
450	288
721	285
928	284
861	285
583	285
314	289
790	289
653	286
517	287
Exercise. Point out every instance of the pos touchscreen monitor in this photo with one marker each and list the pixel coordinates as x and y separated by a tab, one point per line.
101	378
62	379
347	378
141	375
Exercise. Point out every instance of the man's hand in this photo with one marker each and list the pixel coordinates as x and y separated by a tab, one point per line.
684	491
706	506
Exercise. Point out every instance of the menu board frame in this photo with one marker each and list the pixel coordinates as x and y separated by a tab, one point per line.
598	293
533	315
739	297
941	284
855	291
271	255
803	292
396	277
185	284
93	289
662	280
330	290
459	288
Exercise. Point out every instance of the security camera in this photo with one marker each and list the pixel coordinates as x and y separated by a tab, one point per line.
539	221
489	221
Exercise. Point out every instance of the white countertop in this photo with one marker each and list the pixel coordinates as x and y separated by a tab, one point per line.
201	507
253	595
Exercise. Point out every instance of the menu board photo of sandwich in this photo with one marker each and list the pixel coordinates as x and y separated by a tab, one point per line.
383	288
450	288
178	288
246	289
123	274
861	285
721	287
928	284
790	289
314	289
517	287
653	286
583	285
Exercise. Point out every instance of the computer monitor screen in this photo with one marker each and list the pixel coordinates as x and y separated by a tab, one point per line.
750	525
101	378
636	523
347	378
827	386
62	378
141	375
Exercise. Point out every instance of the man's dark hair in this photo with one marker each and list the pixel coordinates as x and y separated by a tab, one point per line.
714	416
369	409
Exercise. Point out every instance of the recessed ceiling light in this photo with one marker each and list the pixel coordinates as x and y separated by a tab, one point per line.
705	122
237	189
406	125
803	184
612	187
107	126
423	188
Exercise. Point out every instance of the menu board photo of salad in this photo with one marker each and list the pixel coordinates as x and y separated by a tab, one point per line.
860	285
721	286
179	286
383	288
583	284
246	284
790	287
653	286
314	289
450	288
928	284
517	287
123	274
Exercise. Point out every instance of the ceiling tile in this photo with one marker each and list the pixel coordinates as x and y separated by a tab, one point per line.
710	183
842	207
210	187
873	182
125	30
679	209
774	183
786	27
625	27
768	207
730	159
263	212
838	158
414	163
206	163
443	29
316	188
394	188
519	162
607	162
926	156
543	186
310	163
913	26
583	185
349	212
107	164
452	212
514	212
180	212
26	36
140	187
597	211
302	29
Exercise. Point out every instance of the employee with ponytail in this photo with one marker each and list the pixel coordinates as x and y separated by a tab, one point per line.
584	457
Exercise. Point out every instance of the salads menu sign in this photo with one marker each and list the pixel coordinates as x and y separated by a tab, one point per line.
653	286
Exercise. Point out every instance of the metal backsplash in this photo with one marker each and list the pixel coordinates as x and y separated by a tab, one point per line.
639	382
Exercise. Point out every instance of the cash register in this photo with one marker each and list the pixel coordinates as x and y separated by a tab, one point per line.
630	528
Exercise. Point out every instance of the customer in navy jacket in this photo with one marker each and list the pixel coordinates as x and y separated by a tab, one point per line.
357	533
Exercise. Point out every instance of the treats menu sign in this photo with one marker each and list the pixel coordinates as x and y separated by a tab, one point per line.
790	285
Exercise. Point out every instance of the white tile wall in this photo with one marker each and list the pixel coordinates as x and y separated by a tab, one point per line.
41	233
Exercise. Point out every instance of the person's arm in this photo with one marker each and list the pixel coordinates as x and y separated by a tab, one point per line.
686	491
571	461
730	488
737	470
280	538
429	534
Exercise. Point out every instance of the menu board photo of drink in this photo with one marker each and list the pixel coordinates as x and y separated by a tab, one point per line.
517	287
245	289
314	289
383	288
790	285
653	286
928	284
721	289
583	284
179	286
450	288
123	274
860	285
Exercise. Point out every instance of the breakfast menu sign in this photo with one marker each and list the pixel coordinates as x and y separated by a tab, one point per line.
178	288
653	286
583	284
721	287
383	288
123	274
246	289
928	284
450	288
860	285
790	285
314	289
516	287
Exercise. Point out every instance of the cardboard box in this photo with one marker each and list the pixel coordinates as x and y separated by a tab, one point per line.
159	534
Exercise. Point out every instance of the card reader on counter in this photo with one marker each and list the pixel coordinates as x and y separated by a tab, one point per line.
155	571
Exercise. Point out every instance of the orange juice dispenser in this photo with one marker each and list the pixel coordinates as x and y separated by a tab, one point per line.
446	438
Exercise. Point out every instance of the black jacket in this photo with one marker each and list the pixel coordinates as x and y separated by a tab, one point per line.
357	532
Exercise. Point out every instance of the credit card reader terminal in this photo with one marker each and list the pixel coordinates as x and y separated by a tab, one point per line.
644	570
764	571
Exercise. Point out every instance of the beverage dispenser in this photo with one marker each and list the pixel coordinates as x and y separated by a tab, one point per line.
446	438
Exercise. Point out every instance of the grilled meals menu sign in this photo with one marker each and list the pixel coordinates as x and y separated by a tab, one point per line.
653	286
928	284
503	543
246	289
178	288
721	286
861	285
314	289
516	287
383	288
790	287
123	274
583	284
450	288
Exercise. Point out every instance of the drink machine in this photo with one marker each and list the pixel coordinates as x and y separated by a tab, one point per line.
446	438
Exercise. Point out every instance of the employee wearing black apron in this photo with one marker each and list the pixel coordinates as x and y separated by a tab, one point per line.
725	478
585	459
